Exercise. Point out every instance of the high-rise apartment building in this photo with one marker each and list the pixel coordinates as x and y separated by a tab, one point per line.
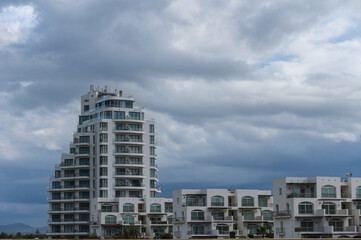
314	207
108	179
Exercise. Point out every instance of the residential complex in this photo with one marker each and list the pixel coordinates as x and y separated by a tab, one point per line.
220	213
317	207
108	179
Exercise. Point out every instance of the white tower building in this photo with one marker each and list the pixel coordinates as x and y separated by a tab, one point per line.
108	179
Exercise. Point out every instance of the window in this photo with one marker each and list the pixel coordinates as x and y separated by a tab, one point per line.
68	162
107	208
306	226
56	185
222	229
69	206
103	149
103	160
152	151
119	115
267	215
84	161
330	208
218	215
197	215
84	172
248	215
155	207
68	195
103	193
84	206
247	201
151	128
103	137
83	195
103	171
151	139
103	182
305	208
280	191
198	229
68	228
128	104
84	183
103	126
134	115
262	202
217	201
328	191
84	150
84	217
195	201
168	207
120	193
110	219
337	225
152	161
68	217
108	114
56	206
128	207
128	219
358	192
134	194
253	228
84	139
69	184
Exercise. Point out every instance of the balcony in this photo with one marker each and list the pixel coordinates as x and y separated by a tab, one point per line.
127	152
222	219
128	130
67	210
63	233
282	214
128	174
280	231
203	233
81	154
205	219
159	223
128	164
310	229
179	220
301	195
128	141
129	185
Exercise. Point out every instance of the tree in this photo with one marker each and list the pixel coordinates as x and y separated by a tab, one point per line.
128	232
262	231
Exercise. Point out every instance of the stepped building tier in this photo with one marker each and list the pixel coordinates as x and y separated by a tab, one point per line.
108	179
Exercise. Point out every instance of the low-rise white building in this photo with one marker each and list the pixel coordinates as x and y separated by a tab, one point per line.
220	213
152	215
316	207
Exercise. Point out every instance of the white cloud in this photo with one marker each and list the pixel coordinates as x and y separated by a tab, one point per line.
16	23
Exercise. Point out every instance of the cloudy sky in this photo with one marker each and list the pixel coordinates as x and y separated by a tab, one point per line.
241	92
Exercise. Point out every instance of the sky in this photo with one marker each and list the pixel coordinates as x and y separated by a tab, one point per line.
241	91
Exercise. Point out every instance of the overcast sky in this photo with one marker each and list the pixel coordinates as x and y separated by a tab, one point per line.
241	92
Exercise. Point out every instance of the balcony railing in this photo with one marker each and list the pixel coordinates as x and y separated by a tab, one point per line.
309	229
282	214
301	195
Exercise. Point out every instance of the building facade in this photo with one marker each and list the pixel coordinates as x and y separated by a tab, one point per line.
316	207
221	213
108	179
